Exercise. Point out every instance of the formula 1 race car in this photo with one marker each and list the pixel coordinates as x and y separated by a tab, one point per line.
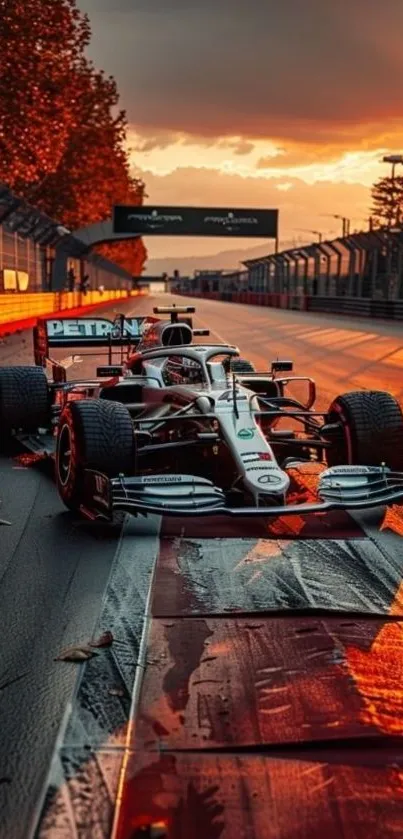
181	428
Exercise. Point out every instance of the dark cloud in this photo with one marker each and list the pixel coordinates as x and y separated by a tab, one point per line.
147	143
239	147
303	70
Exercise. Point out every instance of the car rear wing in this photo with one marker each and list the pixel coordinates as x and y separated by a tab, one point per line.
174	311
86	332
93	333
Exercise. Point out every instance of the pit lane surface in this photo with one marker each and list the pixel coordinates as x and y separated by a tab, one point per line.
54	572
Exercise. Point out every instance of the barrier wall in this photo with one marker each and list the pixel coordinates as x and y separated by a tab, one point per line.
20	311
353	306
27	267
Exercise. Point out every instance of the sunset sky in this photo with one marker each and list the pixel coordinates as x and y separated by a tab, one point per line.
259	103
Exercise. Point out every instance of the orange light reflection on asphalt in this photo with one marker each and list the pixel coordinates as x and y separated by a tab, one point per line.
29	459
393	520
263	551
287	526
224	648
378	674
304	480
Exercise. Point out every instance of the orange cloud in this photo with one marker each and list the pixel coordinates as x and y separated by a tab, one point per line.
294	155
301	205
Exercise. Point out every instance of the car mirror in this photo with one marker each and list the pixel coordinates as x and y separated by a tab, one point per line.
301	389
282	366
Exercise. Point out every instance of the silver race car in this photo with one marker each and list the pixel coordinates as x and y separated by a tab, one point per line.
181	428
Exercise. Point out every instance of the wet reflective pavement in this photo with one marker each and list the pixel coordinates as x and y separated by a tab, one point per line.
263	726
268	797
241	683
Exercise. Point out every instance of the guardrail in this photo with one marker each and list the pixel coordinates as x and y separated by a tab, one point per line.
353	306
20	311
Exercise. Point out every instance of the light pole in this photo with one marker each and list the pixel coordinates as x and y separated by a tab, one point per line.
346	224
314	233
394	159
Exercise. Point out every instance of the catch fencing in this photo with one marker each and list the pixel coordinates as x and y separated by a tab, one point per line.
26	267
359	275
37	254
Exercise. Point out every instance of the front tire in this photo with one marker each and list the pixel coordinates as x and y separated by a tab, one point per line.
92	434
371	426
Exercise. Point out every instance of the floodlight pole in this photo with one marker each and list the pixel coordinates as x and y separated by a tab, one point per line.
395	160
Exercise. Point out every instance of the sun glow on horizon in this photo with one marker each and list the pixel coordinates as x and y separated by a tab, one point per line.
310	184
255	159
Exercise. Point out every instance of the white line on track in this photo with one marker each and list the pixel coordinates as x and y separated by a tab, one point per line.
212	331
138	681
135	559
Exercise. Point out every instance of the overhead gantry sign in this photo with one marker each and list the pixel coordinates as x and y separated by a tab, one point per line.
195	221
131	222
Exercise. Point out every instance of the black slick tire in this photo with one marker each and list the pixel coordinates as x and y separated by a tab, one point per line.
24	399
371	425
94	434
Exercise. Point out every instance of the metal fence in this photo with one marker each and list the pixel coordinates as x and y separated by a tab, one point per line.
21	263
37	253
368	265
360	274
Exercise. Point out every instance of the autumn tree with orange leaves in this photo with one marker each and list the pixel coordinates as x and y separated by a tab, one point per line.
62	146
387	201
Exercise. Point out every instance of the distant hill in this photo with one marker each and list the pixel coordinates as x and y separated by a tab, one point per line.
226	260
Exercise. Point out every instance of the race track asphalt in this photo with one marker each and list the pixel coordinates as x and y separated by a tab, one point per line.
55	570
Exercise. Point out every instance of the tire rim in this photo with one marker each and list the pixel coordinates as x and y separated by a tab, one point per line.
64	458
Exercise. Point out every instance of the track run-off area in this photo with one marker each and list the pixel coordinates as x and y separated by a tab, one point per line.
225	707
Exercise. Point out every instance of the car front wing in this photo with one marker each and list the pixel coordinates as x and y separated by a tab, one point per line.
339	488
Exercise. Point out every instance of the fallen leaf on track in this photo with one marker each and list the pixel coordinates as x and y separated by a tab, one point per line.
79	653
104	641
28	459
116	692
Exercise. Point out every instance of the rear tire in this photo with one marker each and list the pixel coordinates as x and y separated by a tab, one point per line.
24	399
242	365
92	434
371	430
